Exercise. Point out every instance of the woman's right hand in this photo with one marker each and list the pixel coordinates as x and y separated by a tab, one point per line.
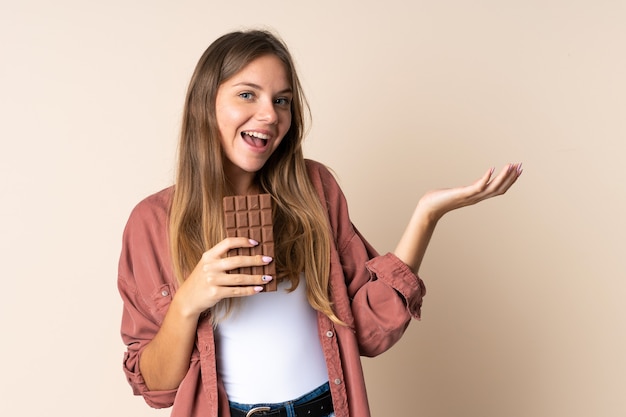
165	360
210	281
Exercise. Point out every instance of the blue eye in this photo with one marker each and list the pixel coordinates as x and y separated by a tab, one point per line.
282	101
245	96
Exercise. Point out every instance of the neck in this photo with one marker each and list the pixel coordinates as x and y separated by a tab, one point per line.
246	190
244	184
241	182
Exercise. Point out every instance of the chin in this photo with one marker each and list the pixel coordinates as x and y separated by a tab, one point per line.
252	168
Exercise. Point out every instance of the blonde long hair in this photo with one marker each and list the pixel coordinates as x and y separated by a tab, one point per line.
301	228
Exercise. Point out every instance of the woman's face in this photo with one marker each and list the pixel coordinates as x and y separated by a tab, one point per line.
253	110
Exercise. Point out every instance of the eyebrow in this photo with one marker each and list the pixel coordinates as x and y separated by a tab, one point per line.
258	87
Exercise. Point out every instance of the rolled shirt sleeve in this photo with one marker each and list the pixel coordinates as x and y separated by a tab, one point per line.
145	286
137	330
385	295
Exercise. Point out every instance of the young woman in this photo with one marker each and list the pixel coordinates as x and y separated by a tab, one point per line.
213	343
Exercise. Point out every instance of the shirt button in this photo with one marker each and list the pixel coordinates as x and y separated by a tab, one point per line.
329	333
165	293
337	381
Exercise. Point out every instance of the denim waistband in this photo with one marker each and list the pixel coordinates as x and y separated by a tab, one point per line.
322	389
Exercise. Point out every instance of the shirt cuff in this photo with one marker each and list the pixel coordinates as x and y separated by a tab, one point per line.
392	271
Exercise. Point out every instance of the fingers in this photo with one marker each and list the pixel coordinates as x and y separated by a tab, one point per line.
221	249
207	289
488	186
216	265
242	261
437	203
211	281
217	259
505	179
481	184
241	285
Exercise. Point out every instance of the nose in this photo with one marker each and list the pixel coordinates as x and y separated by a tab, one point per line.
266	112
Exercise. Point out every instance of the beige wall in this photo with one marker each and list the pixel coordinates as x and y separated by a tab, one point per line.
525	310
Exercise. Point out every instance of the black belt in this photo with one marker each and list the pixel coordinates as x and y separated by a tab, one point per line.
318	407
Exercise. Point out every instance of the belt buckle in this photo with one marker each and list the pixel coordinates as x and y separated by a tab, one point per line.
257	410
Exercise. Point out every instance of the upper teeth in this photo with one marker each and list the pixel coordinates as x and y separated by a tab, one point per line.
257	135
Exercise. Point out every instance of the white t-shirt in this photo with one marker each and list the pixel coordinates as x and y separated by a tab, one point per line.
268	349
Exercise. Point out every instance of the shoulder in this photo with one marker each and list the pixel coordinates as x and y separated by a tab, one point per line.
145	244
321	175
154	206
330	193
145	265
150	215
316	168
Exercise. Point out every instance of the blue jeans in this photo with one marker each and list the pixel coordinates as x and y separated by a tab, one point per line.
288	404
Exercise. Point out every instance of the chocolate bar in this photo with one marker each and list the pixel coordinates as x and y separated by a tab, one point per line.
251	216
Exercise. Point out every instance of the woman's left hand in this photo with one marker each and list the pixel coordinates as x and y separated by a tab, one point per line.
436	203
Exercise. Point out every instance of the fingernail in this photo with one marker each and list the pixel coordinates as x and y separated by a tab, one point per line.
519	168
266	278
258	289
253	242
267	259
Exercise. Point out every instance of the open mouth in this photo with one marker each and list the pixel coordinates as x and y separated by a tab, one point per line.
255	139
